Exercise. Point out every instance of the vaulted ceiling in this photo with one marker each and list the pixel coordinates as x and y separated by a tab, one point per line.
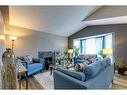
65	20
59	20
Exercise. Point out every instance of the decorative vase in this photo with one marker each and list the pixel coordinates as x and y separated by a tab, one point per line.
9	74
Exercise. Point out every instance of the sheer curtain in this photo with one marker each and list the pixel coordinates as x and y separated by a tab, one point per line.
99	44
76	43
93	45
90	46
84	46
108	41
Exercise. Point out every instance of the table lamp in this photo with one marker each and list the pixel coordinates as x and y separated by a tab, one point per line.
2	37
70	52
107	51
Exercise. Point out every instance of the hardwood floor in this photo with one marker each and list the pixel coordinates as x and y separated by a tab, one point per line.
119	82
33	84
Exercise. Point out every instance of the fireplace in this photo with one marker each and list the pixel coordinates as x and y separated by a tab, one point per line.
48	56
48	60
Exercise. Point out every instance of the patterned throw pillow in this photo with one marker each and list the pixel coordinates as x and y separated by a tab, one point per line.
28	59
79	67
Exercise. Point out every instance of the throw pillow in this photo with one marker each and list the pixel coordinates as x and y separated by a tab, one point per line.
36	60
98	59
89	61
28	59
81	57
79	67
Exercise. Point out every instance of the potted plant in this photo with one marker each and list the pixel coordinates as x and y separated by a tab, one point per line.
65	56
58	57
121	67
76	51
101	54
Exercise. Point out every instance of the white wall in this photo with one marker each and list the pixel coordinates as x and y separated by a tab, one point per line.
29	42
1	43
1	34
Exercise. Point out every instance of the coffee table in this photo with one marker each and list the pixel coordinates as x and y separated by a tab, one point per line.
55	66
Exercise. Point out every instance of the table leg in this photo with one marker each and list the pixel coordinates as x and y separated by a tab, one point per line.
19	81
19	84
50	71
26	80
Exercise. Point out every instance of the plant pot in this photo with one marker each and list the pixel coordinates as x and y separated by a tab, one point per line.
121	70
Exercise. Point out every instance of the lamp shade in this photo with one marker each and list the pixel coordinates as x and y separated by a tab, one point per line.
2	37
13	37
70	50
107	51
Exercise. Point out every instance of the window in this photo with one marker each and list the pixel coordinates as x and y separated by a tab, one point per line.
76	43
93	45
108	41
90	46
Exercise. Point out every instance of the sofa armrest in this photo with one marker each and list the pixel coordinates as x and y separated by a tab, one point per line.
42	61
63	81
25	64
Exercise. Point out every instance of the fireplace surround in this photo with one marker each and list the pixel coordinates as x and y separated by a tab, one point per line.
48	56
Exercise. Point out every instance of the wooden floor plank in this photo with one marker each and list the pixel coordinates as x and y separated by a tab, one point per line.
32	84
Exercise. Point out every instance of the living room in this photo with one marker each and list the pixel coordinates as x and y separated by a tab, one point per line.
60	35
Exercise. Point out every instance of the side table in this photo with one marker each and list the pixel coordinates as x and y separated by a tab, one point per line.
22	70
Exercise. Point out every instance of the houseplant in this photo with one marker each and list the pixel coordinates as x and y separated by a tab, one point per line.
58	57
121	67
76	51
101	54
61	56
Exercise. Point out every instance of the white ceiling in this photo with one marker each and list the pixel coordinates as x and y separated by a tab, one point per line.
65	20
105	21
59	20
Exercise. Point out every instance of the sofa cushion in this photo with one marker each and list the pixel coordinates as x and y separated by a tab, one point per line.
92	70
79	67
108	60
105	62
34	66
28	59
74	74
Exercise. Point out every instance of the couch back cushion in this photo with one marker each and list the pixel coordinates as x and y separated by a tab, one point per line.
105	62
108	60
92	69
74	74
87	57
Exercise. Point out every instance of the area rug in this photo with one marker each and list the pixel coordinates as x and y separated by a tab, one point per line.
45	79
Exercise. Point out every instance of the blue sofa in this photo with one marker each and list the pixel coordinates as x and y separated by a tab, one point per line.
83	58
33	65
98	75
